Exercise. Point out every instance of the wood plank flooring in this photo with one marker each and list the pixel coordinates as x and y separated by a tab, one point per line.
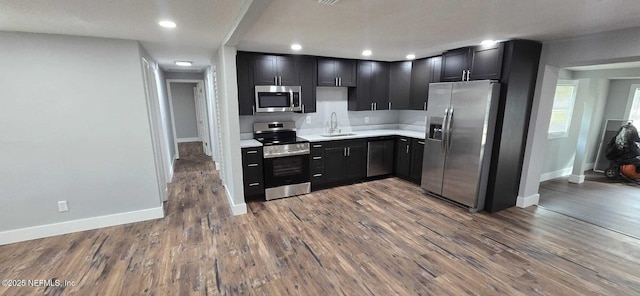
613	204
376	238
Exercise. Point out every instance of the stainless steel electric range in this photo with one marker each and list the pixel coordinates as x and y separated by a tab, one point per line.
286	159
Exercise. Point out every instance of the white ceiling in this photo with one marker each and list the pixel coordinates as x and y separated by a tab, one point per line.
391	28
202	24
394	28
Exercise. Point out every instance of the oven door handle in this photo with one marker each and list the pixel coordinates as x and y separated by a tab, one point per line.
285	154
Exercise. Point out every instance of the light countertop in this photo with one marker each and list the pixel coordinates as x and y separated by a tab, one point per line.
249	143
355	135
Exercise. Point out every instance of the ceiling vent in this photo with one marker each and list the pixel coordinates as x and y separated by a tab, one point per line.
328	2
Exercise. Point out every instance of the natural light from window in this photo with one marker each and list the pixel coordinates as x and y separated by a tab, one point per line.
634	114
562	109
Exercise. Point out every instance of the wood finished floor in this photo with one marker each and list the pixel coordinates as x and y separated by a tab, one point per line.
613	204
375	238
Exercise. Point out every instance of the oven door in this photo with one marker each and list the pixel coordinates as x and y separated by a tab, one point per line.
287	170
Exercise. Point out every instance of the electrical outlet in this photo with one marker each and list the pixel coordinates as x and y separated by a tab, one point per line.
308	119
63	206
366	119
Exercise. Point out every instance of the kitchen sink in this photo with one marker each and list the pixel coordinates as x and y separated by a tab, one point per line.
337	135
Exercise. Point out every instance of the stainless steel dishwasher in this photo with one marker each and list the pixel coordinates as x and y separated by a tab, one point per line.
380	157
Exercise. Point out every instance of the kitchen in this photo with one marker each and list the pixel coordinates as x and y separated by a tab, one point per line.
331	154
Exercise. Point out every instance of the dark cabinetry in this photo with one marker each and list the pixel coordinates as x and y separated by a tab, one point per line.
336	72
400	85
267	69
252	172
275	70
472	63
409	154
372	92
338	162
423	72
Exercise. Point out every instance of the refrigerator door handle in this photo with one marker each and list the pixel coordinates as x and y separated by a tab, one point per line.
443	141
449	130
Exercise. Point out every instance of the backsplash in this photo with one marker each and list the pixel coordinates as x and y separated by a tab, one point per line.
328	100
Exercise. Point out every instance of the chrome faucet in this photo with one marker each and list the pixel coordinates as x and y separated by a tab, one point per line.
334	123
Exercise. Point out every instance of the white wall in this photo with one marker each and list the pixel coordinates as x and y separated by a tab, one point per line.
212	109
165	113
224	61
74	127
599	48
618	98
184	75
184	110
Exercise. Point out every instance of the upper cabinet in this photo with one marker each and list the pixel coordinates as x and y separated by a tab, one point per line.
372	92
246	97
275	70
400	85
336	72
423	72
308	77
472	63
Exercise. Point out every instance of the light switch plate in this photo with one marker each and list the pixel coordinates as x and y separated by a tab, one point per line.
63	206
308	119
366	119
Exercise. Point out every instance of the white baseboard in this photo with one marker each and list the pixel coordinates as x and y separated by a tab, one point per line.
555	174
523	202
577	179
184	140
35	232
173	165
236	209
218	166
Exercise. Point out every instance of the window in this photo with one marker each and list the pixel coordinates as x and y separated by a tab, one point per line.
562	108
634	113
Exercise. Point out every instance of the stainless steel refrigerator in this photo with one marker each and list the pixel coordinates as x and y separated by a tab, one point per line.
460	124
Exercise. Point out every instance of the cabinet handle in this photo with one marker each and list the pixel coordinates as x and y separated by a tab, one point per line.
252	165
252	152
279	80
424	106
407	149
464	73
317	157
344	152
375	106
403	140
371	106
317	175
389	105
421	142
275	80
348	151
317	146
302	108
253	110
336	81
468	75
254	184
339	81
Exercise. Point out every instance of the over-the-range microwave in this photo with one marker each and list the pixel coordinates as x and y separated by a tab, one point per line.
277	98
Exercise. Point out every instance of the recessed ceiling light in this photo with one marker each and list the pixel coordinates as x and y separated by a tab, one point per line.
183	63
411	56
296	46
366	53
488	42
167	24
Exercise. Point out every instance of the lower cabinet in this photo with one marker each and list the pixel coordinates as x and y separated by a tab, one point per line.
338	162
252	174
409	154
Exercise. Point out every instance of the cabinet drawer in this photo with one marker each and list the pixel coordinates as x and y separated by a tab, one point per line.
252	173
317	175
253	188
252	155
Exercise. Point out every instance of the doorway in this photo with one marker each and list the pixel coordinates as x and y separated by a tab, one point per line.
189	113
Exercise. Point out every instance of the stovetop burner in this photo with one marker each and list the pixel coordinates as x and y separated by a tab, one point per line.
276	133
281	141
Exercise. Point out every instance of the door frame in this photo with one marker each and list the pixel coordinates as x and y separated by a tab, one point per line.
173	121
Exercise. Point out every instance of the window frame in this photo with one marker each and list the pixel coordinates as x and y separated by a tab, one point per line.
572	101
630	100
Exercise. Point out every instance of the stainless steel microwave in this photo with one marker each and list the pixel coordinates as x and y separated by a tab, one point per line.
277	98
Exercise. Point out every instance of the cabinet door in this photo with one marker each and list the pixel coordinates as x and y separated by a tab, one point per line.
346	71
265	69
288	70
308	76
454	62
487	62
403	157
415	168
380	86
360	98
356	162
327	72
246	97
420	78
334	168
399	85
436	68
